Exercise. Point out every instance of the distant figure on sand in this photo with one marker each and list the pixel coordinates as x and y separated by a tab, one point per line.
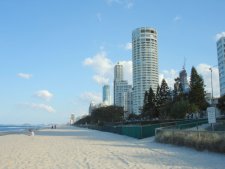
53	126
31	132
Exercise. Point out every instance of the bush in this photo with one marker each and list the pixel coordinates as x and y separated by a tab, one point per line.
212	141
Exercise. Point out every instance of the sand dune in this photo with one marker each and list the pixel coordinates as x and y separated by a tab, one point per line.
78	148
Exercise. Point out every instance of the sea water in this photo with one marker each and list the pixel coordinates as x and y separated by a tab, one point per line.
17	128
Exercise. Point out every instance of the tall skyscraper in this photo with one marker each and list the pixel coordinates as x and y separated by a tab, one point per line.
145	64
106	95
221	63
118	72
121	89
118	76
184	81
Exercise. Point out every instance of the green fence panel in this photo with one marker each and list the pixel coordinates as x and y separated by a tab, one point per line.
190	123
132	131
149	130
138	131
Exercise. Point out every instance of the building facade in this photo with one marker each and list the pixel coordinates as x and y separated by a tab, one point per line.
118	72
120	88
221	63
106	95
145	64
122	95
118	76
184	81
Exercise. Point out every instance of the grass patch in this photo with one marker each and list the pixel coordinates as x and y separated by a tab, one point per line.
200	140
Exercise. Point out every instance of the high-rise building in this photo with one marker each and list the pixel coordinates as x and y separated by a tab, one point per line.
127	101
122	97
221	63
184	81
106	94
145	64
118	72
119	89
118	76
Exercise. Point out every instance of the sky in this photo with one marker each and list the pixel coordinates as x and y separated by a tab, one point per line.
55	55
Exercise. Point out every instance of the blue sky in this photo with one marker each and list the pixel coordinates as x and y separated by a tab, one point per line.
56	55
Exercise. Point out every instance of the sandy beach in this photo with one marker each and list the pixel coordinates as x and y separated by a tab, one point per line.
78	148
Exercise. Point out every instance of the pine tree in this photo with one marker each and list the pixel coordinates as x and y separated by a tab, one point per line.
178	93
164	92
149	104
197	92
157	102
164	99
177	88
146	105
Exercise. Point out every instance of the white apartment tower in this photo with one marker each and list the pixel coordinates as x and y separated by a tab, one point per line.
145	64
221	63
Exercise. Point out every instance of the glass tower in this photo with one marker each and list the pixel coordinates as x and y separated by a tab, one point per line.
221	63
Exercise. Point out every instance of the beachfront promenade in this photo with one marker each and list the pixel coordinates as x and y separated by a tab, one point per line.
78	148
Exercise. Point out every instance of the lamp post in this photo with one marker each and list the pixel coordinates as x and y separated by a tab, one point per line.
211	85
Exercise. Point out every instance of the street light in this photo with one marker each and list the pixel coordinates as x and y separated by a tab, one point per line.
211	85
211	69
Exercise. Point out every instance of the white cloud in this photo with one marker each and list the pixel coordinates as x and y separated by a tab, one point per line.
91	96
103	67
205	72
100	63
169	76
219	35
44	94
126	3
99	17
128	46
177	19
43	107
129	4
24	75
100	79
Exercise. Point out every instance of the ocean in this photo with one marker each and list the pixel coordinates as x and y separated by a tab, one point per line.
17	128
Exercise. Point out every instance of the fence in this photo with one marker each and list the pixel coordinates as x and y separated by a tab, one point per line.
143	131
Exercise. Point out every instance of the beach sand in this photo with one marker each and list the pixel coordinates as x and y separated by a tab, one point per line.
78	148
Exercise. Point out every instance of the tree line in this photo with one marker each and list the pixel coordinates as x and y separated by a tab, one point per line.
101	115
162	104
176	103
